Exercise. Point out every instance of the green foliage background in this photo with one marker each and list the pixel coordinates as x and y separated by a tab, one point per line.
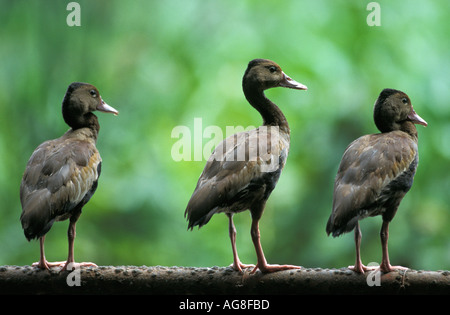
164	63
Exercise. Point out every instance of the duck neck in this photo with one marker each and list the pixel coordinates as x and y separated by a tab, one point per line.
271	114
409	127
77	121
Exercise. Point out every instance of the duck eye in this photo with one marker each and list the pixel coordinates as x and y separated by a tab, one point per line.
272	69
405	100
93	93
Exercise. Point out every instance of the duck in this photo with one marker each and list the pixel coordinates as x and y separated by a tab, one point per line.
375	173
243	169
62	174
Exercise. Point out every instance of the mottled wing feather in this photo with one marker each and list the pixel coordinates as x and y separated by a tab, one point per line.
59	174
232	172
367	167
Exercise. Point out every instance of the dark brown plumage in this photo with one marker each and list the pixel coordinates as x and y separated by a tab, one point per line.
376	172
244	169
61	175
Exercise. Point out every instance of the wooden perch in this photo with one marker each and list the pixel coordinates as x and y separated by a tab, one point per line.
217	281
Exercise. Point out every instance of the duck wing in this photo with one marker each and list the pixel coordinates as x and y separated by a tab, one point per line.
242	170
60	175
373	169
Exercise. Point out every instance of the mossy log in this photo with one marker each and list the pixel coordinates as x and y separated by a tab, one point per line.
159	280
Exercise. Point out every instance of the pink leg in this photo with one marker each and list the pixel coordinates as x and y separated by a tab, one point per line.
385	264
43	263
358	267
237	265
262	263
71	233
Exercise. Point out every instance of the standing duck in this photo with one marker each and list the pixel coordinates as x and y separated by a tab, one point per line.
376	172
244	168
61	175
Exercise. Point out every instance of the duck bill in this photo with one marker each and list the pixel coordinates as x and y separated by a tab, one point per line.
417	119
292	84
103	107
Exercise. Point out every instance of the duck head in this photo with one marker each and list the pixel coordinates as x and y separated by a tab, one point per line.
392	109
265	74
80	101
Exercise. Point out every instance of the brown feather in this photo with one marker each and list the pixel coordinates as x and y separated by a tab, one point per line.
368	167
244	169
237	173
377	170
60	175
